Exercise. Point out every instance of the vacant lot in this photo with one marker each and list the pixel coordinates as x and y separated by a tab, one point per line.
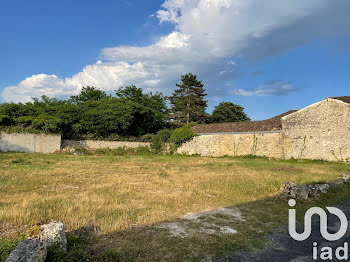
114	207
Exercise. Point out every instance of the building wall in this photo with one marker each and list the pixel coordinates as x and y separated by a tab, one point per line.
236	144
319	131
96	144
30	143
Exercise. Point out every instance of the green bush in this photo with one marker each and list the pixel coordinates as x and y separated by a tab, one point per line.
80	150
159	140
5	120
123	151
182	135
146	138
143	150
19	129
24	120
47	123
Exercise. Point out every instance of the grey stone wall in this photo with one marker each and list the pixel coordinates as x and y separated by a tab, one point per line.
319	131
30	143
96	144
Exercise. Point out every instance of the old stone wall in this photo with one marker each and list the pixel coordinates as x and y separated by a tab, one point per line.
96	144
319	131
269	144
30	143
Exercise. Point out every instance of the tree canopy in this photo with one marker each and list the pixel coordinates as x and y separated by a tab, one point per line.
89	93
228	112
131	112
91	114
188	104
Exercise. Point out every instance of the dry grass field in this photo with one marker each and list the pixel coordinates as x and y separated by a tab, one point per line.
112	205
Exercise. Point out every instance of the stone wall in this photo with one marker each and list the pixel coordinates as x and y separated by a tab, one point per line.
269	144
319	131
96	144
30	143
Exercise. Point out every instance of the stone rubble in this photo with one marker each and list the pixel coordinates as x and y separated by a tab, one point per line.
53	233
35	249
29	250
296	191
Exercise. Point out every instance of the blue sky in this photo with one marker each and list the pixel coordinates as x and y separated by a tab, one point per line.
268	56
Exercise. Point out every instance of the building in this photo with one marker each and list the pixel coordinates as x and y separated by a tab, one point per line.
319	131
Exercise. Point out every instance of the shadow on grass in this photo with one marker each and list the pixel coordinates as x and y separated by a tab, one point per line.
154	243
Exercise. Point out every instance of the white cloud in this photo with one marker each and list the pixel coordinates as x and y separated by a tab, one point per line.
272	88
207	36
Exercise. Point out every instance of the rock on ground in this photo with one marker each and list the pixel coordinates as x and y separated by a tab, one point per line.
305	191
209	222
53	233
29	250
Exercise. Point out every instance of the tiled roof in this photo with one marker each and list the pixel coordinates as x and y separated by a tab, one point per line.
272	124
345	99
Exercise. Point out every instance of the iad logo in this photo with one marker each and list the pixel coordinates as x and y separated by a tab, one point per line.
341	252
323	223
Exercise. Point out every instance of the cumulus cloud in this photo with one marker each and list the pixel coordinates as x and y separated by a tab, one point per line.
208	35
271	88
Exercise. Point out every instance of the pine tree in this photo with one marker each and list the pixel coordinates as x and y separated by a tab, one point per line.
187	101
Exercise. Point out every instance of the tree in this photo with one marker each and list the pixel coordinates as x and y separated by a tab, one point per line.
156	102
131	93
105	117
228	112
88	93
187	101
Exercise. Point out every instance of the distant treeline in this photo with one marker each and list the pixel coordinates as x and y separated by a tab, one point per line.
128	113
92	114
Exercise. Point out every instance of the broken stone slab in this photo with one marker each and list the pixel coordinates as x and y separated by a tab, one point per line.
53	233
29	250
305	191
296	191
317	190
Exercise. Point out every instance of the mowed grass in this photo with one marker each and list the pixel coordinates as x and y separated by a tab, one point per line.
120	199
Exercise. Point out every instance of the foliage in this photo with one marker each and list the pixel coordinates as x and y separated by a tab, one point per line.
187	101
159	141
21	130
119	151
91	114
105	117
76	251
110	255
47	123
228	112
156	102
24	120
80	150
182	135
88	93
5	120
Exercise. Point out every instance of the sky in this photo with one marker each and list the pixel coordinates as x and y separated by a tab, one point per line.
268	56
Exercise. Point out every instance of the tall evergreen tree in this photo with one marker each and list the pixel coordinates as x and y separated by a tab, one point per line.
187	101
